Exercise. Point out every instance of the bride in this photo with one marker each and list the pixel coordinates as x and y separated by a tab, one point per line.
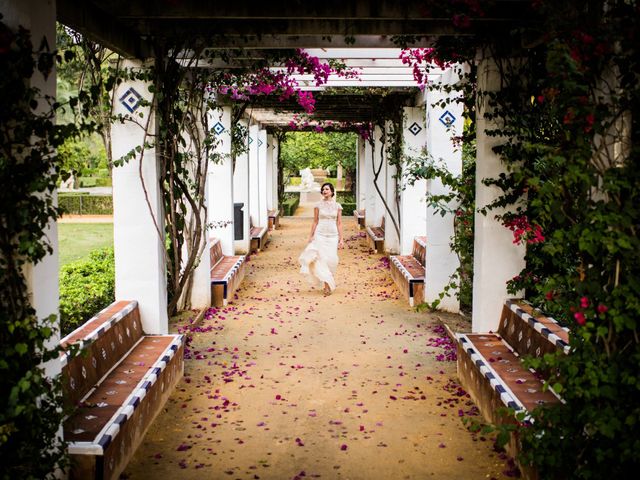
319	260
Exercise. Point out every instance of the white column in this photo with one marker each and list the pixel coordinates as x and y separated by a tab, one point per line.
263	215
200	297
496	258
220	183
379	164
360	175
413	215
41	278
444	122
370	192
391	239
270	172
274	164
241	194
254	175
139	248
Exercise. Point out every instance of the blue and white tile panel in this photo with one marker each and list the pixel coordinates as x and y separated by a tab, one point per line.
420	242
373	236
539	326
124	413
496	382
101	329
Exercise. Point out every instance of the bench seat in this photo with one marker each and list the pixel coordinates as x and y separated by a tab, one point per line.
375	237
116	385
490	366
360	218
496	357
274	219
408	274
227	273
408	271
259	238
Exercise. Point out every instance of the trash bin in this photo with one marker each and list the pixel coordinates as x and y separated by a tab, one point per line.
238	221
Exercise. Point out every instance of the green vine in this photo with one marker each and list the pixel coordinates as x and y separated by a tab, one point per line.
31	405
568	88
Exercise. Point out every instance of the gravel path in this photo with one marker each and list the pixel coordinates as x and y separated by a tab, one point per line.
287	384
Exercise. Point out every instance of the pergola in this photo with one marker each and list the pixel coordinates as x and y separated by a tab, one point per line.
364	35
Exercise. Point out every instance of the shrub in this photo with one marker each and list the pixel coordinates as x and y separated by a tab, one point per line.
348	208
87	182
345	197
86	204
86	287
290	205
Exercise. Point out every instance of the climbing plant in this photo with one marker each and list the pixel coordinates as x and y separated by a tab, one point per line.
31	403
459	201
563	114
185	144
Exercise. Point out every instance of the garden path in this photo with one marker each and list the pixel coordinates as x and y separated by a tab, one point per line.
286	383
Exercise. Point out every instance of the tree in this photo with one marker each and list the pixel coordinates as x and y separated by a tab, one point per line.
318	150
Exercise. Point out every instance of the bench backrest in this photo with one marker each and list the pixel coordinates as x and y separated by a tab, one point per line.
419	251
528	331
102	341
215	251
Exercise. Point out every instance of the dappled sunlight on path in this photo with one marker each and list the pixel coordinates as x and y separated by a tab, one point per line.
286	383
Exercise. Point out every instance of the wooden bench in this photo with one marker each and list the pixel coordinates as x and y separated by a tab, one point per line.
375	237
227	273
408	271
274	219
490	367
117	383
259	237
360	218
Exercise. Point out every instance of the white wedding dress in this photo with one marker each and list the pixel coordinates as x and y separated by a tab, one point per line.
319	260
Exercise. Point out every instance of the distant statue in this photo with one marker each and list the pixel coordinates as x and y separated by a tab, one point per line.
69	183
306	179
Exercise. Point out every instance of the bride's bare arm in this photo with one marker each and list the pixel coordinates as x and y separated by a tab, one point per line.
339	224
315	224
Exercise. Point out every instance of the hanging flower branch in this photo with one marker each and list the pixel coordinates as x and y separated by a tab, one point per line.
282	83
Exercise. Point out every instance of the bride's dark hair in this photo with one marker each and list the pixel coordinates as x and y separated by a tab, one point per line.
331	187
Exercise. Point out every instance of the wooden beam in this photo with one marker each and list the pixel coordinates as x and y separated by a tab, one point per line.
103	28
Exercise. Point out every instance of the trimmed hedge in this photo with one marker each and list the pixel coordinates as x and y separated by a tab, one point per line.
290	205
95	182
86	204
348	208
86	287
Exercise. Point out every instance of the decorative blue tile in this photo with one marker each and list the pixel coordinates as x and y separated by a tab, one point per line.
250	140
260	142
415	128
447	118
218	128
131	100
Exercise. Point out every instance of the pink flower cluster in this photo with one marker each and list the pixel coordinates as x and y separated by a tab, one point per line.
524	231
303	122
580	313
265	81
421	60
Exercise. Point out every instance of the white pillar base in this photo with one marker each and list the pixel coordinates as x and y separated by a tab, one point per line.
413	212
496	259
139	249
443	123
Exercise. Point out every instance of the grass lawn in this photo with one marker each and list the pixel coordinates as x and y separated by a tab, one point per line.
78	239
